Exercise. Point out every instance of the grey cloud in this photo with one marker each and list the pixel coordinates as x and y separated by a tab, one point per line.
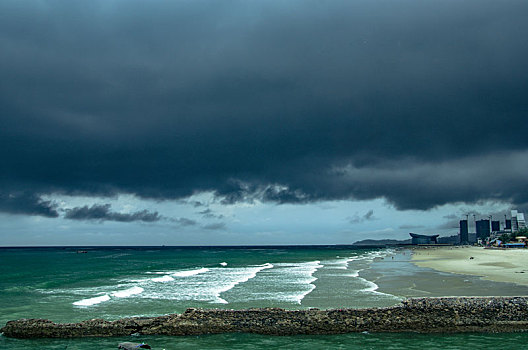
27	204
422	185
209	214
409	101
184	221
356	219
103	212
453	224
215	226
282	194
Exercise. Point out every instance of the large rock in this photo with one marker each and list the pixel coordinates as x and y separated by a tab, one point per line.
490	314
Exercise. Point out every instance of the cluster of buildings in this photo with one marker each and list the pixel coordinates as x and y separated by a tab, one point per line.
488	229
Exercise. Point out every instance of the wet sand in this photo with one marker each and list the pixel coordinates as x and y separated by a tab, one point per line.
508	265
415	273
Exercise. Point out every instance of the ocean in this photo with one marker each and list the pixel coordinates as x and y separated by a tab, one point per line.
67	285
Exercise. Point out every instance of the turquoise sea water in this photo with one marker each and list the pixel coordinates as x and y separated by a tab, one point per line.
66	286
513	341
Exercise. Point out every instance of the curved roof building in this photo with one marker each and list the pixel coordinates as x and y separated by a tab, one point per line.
423	239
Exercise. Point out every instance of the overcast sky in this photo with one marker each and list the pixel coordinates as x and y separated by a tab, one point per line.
258	122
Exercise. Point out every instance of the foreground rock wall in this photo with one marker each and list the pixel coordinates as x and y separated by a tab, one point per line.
489	314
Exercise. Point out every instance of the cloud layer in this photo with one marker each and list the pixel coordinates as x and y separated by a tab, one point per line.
103	212
420	102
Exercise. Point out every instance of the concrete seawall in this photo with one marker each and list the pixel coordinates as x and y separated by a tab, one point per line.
425	315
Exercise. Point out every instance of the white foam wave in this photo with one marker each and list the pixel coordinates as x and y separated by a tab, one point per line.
381	253
372	288
282	282
363	261
190	272
106	297
242	277
294	281
310	270
204	284
128	292
353	273
369	257
165	278
354	258
92	301
338	264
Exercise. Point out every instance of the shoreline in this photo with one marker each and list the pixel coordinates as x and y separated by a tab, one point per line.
422	315
505	265
400	276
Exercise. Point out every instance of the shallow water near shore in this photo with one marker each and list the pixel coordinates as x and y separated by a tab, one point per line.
66	286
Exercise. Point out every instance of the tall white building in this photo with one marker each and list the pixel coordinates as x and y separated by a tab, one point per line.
515	226
517	221
520	221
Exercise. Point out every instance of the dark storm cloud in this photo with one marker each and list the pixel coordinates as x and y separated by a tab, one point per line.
28	204
103	212
421	102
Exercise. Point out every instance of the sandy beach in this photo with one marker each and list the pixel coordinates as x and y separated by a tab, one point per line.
490	264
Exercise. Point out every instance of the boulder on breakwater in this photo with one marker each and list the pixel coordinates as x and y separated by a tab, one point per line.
424	315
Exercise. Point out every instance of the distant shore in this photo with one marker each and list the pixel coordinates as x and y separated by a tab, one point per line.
510	265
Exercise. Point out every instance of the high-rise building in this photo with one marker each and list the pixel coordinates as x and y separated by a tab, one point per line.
520	221
483	228
515	226
507	224
464	233
495	226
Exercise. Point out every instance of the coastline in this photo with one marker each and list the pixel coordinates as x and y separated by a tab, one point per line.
442	302
400	276
386	276
508	265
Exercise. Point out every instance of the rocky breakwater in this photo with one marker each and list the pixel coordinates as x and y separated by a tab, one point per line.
465	314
